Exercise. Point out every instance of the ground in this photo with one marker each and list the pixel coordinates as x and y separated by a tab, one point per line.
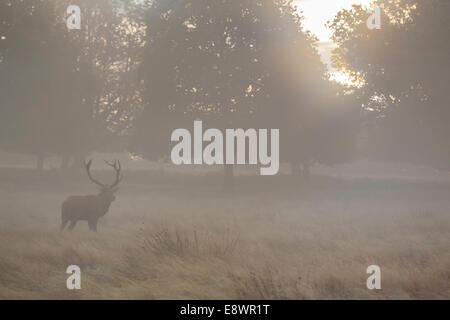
182	237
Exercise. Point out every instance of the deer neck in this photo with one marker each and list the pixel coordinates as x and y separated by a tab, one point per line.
104	205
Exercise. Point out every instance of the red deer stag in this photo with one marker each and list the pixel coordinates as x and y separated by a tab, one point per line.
92	207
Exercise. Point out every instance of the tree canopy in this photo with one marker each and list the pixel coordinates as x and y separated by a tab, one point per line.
406	68
237	64
63	91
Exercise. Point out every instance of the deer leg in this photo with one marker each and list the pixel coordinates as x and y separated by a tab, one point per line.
72	224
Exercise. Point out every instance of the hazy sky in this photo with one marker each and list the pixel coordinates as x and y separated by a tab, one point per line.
317	13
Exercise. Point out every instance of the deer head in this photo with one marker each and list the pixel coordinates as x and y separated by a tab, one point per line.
107	191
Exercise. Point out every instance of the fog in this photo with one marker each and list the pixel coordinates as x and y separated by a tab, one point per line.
92	176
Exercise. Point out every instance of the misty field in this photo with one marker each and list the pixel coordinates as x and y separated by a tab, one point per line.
182	237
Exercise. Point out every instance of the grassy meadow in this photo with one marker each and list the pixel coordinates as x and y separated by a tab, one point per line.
178	236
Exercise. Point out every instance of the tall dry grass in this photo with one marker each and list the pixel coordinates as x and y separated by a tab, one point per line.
198	243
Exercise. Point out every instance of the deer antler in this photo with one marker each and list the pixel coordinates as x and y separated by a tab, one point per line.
88	170
117	167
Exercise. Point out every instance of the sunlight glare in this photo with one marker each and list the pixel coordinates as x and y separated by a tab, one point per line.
316	15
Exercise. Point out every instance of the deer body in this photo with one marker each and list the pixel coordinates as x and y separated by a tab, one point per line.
91	207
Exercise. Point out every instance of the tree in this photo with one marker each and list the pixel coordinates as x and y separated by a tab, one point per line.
66	92
406	70
108	46
35	61
233	65
318	118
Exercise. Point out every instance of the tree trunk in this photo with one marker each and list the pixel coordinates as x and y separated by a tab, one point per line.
228	177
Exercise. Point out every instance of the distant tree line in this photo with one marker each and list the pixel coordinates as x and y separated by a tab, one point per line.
138	70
